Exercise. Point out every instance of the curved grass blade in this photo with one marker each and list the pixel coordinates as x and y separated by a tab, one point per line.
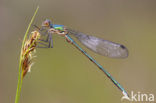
20	76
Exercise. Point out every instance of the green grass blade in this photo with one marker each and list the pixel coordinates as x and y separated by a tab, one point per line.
20	79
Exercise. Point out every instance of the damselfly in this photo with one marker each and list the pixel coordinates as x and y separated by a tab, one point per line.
97	45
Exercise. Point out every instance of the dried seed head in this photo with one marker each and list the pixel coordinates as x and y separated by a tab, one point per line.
28	51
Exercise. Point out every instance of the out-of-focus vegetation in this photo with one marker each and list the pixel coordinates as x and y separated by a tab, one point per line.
63	74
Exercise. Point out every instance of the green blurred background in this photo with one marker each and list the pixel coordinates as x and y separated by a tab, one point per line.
63	74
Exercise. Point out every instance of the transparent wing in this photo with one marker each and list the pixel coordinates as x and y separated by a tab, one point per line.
100	46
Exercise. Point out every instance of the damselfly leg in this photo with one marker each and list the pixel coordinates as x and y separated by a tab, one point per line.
45	40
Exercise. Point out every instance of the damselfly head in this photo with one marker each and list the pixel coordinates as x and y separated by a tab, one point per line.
47	23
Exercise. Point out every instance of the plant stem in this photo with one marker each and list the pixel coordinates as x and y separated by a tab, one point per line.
20	71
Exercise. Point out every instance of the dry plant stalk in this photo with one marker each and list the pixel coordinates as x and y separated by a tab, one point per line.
25	60
28	51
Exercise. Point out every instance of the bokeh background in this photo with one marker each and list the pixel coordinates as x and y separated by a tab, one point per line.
63	74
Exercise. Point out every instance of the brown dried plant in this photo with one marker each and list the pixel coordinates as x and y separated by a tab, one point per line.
28	52
26	56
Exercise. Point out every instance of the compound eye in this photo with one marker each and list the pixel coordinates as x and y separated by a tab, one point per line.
45	24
